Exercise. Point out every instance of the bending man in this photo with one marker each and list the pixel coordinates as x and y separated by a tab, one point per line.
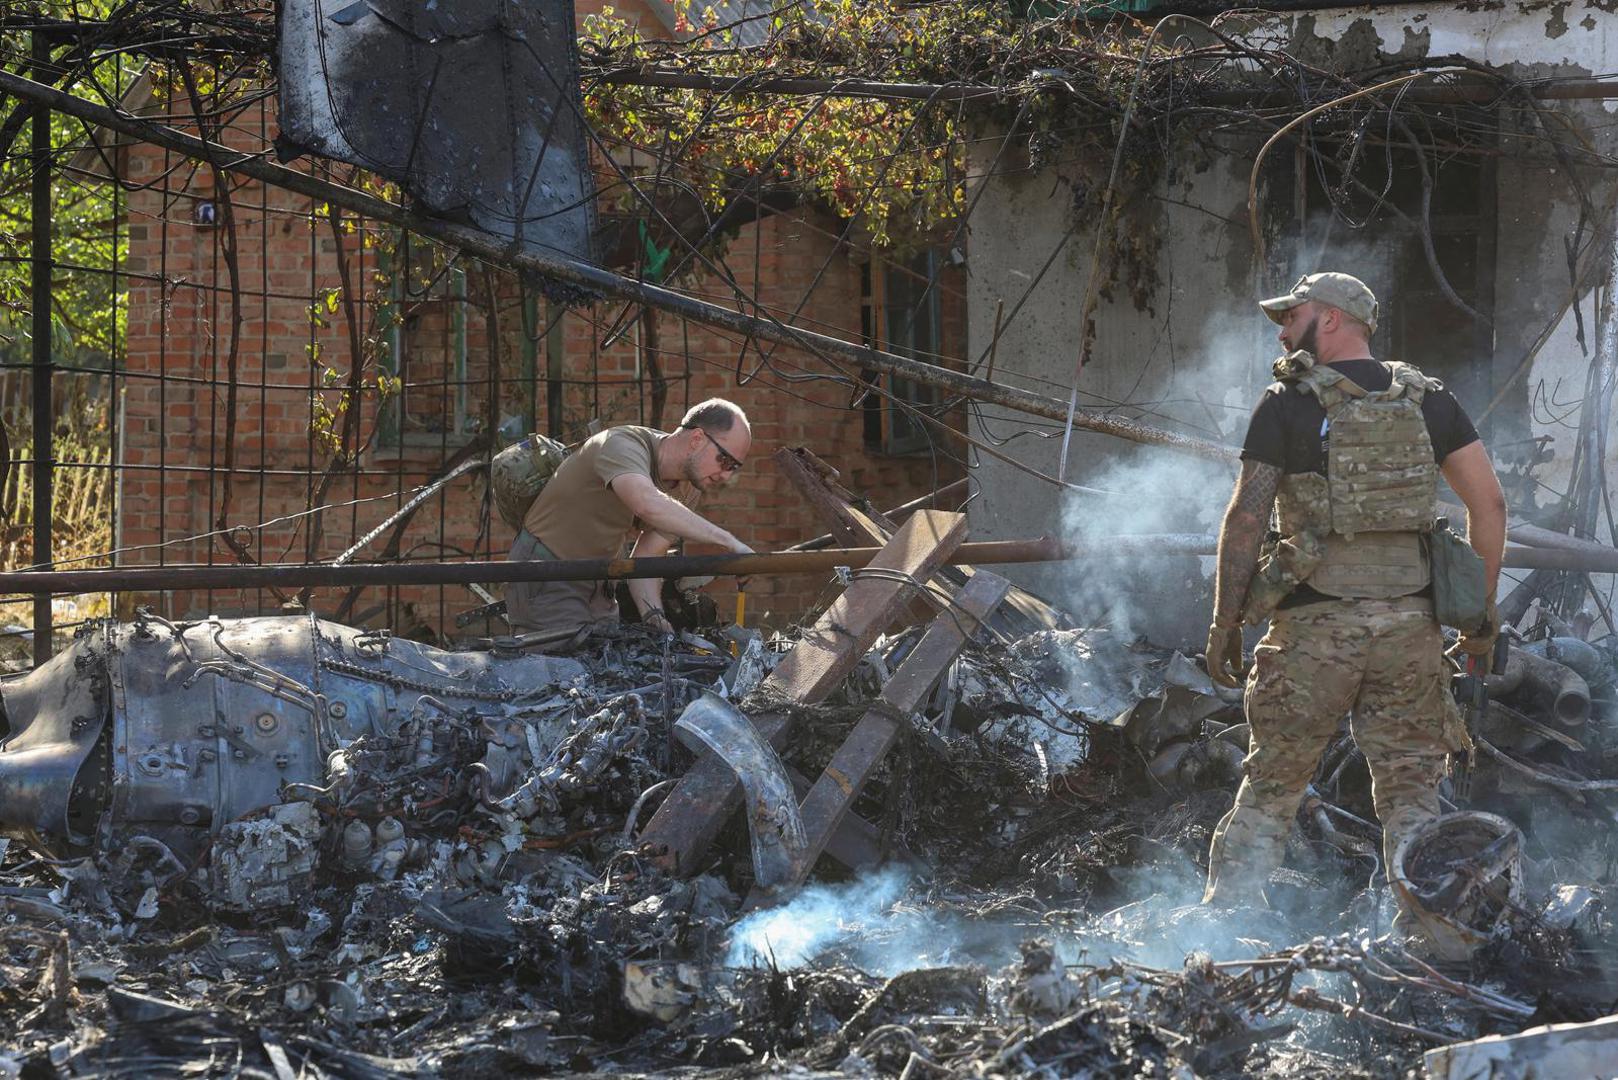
626	484
1346	451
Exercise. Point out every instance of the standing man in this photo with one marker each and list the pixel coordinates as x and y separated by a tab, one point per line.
1346	451
626	482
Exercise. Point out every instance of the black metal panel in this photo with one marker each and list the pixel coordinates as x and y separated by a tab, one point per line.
472	106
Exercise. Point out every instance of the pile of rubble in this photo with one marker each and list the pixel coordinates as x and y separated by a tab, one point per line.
283	847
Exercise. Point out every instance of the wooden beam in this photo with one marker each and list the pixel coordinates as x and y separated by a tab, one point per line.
834	503
953	490
857	844
685	825
853	526
826	806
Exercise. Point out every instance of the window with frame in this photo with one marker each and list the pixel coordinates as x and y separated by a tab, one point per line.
438	353
425	316
900	313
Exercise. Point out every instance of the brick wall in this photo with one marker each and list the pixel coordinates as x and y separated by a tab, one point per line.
176	431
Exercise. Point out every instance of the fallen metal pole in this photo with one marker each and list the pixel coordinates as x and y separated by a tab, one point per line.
40	251
604	282
1535	535
984	553
459	573
1458	92
806	86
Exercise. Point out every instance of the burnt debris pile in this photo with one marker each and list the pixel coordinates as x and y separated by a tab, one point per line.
287	847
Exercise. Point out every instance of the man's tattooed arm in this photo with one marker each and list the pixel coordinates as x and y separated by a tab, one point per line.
1246	520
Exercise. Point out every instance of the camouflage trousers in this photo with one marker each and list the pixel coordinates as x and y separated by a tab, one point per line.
1380	661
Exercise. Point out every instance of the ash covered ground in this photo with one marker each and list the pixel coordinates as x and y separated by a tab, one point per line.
468	894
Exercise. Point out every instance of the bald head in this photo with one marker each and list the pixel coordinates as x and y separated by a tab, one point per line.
716	415
716	438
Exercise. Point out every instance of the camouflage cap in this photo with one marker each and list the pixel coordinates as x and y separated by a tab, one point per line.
1344	292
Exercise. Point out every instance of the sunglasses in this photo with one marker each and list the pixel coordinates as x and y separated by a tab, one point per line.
727	461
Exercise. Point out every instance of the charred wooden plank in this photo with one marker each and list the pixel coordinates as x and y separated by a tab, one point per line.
689	819
856	843
828	802
855	523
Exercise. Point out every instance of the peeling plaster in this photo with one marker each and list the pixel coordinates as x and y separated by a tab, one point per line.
1504	33
1556	25
1357	46
1417	42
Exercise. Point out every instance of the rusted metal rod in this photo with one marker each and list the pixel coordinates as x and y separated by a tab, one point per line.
457	573
1460	91
837	88
984	553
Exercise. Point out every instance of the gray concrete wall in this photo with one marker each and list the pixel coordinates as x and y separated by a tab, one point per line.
1194	362
1197	357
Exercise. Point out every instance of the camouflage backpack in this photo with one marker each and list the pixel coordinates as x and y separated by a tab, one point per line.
520	472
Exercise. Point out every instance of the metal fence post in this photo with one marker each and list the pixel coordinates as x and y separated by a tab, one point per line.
43	365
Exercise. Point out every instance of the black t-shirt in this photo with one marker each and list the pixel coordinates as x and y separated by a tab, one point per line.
1288	429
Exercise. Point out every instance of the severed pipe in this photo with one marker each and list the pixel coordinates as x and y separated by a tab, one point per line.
1551	685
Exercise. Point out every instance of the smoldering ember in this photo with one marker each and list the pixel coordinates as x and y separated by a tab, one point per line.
820	539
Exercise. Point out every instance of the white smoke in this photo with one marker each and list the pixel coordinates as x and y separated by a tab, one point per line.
1166	491
813	921
876	925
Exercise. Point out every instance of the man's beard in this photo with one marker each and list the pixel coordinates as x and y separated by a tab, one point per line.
689	471
1306	340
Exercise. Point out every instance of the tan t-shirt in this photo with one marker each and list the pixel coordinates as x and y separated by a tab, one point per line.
577	516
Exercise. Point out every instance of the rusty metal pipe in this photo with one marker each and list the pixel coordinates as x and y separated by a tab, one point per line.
984	553
1045	549
455	573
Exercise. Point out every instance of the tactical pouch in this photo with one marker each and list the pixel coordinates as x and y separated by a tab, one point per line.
1284	563
1460	586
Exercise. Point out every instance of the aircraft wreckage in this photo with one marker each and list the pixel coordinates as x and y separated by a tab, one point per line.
331	846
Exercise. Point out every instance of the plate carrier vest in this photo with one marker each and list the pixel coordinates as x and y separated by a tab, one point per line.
1380	491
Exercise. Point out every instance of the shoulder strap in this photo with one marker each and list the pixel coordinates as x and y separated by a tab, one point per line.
1411	381
1292	366
1330	387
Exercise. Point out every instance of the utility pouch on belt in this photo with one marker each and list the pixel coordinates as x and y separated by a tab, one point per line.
1284	562
1460	586
518	473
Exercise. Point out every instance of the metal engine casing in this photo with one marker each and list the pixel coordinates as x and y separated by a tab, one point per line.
173	730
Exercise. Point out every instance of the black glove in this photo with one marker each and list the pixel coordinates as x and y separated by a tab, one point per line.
1224	656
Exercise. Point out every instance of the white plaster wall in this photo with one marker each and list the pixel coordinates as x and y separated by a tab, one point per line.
1555	387
1195	364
